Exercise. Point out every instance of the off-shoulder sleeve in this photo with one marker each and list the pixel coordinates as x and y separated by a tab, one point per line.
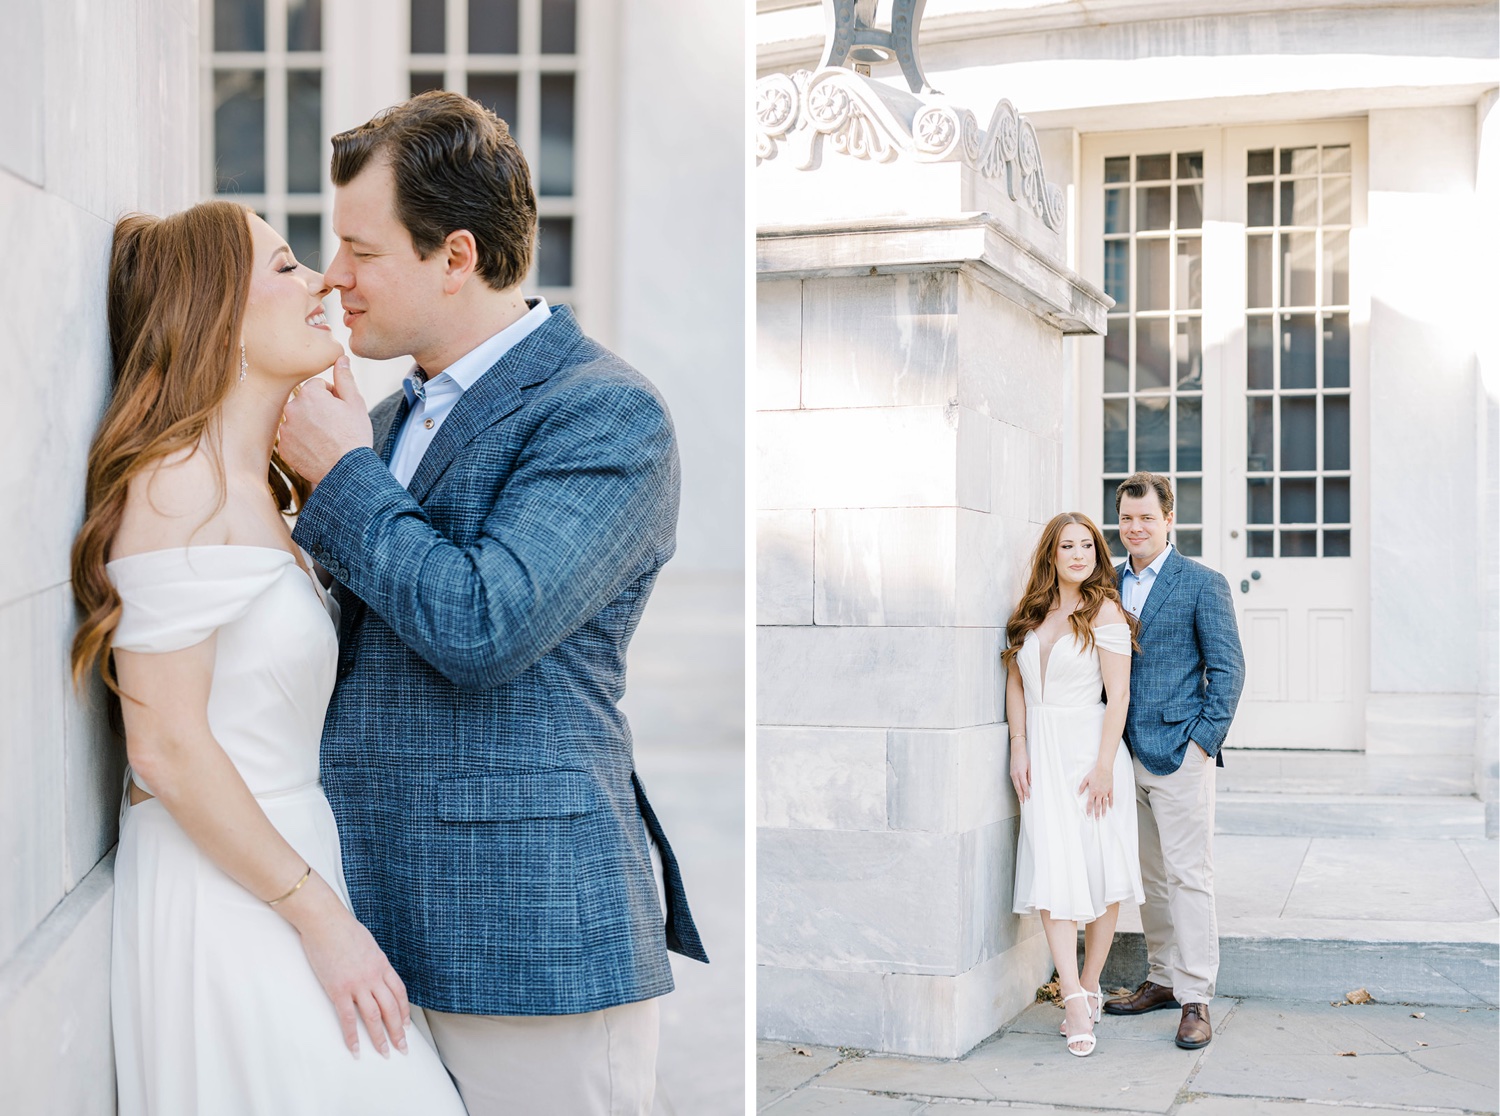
1113	637
171	599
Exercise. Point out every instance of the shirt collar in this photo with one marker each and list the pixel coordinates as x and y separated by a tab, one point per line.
477	361
1154	568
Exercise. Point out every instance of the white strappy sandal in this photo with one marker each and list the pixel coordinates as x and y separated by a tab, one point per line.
1088	1038
1098	1003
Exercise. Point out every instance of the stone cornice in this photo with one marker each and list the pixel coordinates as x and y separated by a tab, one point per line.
800	115
973	243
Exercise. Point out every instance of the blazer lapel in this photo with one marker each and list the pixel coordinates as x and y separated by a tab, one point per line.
1161	588
387	426
496	394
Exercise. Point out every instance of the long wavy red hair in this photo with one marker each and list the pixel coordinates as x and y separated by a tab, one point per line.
175	301
1041	594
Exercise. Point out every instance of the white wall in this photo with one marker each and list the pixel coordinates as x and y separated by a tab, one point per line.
100	117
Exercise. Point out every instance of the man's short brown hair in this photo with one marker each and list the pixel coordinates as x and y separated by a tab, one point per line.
1138	484
456	166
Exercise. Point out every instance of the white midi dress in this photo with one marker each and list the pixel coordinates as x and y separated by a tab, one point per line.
1068	864
214	1006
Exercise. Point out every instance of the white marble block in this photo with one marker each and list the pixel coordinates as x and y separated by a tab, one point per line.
821	778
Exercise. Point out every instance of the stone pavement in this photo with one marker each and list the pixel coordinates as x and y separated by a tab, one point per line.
1268	1058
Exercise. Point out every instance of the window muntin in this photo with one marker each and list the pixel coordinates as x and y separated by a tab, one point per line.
1153	352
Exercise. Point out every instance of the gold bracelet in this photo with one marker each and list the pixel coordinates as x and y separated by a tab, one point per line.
295	887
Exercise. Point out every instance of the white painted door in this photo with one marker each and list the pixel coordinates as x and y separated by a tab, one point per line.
1235	365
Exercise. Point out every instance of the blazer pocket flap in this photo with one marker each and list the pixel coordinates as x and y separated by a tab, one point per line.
1180	711
543	794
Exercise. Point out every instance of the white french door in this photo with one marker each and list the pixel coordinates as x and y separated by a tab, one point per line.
1235	364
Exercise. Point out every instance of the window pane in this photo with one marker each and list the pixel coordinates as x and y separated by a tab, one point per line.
1299	338
428	26
1259	162
1116	211
1299	434
1259	201
555	175
1335	159
1336	500
239	131
1152	167
1190	165
1189	500
1190	206
1153	207
1112	540
240	25
1299	160
559	26
1335	269
1258	271
1117	272
1299	202
1190	543
1189	434
1152	435
1117	169
1299	501
1153	355
304	24
1335	544
496	92
304	131
1116	436
1335	201
421	83
1336	432
1190	354
1259	369
1189	273
555	252
1336	350
494	26
1260	544
1107	512
1299	544
1297	262
1153	274
1117	355
304	236
1258	506
1260	435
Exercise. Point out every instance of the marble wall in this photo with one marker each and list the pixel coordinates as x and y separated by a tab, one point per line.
100	118
908	442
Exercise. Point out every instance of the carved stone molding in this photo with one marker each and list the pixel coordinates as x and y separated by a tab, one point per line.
797	116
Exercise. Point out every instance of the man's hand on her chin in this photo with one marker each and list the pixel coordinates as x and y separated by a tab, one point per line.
322	423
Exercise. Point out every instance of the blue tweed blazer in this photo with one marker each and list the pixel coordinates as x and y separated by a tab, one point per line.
1185	684
495	833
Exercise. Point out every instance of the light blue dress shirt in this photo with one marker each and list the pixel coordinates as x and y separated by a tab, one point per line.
1136	587
432	400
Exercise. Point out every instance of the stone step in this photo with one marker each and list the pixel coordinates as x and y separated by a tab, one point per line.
1256	770
1314	917
1348	815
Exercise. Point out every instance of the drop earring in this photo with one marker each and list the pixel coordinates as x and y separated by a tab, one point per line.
244	364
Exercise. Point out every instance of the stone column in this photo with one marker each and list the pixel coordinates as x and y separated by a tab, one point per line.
912	304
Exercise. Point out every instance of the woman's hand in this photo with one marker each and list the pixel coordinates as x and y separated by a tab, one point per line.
354	973
1020	768
1099	786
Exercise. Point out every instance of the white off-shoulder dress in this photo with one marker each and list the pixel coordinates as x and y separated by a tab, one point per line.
1068	864
214	1006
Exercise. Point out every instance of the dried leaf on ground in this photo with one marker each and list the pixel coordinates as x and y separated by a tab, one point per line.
1419	1015
800	1050
1051	992
1347	1054
1121	991
1420	1043
1359	996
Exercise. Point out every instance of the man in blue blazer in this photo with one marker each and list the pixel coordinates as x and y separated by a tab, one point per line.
1184	687
495	530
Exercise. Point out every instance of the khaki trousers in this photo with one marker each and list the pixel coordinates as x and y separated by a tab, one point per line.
599	1063
1175	815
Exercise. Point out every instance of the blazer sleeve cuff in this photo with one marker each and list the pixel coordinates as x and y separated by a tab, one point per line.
335	522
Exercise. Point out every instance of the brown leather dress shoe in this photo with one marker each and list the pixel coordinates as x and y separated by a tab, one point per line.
1194	1031
1148	997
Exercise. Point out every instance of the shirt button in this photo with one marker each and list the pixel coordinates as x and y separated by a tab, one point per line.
427	423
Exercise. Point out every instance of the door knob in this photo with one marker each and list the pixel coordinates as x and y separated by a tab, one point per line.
1254	575
1244	586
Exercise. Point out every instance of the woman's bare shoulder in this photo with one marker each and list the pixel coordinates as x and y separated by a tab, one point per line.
1110	612
177	501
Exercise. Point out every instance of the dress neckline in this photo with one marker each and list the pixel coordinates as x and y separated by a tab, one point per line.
287	554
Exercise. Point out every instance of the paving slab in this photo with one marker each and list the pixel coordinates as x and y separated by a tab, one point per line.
1484	858
1368	878
1254	875
1197	1105
781	1067
816	1100
1356	1055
